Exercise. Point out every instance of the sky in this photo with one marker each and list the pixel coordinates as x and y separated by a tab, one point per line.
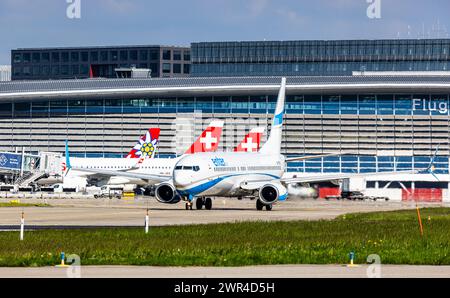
45	23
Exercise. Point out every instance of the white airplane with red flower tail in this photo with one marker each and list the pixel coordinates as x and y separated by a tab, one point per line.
113	171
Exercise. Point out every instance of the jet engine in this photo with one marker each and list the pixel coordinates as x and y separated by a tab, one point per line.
167	194
272	192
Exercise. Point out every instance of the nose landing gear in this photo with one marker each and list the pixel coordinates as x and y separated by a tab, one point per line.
189	206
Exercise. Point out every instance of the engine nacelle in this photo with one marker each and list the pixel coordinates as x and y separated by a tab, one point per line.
167	194
272	192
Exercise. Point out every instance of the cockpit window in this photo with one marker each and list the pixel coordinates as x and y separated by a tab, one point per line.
188	168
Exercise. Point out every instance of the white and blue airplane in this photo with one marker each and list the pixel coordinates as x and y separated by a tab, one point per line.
234	174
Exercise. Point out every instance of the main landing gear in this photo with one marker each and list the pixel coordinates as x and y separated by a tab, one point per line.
200	202
260	206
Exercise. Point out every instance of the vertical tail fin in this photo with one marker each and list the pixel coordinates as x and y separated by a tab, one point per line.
209	140
252	141
147	145
273	144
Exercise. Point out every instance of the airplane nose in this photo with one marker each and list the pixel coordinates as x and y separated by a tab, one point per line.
180	179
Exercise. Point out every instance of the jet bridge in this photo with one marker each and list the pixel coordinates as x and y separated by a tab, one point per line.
25	169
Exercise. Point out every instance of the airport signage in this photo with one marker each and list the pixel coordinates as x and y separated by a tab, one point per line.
10	161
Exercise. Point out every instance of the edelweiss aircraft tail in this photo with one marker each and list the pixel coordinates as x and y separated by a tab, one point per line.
146	146
273	144
208	140
252	141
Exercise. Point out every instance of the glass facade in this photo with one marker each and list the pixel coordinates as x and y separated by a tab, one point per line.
318	58
385	131
76	63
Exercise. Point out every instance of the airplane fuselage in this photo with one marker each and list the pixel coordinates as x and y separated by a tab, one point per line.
152	166
223	173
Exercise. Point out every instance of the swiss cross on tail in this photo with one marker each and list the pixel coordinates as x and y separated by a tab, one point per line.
208	140
146	146
252	141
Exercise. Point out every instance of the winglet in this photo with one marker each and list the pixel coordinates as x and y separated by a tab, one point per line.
431	167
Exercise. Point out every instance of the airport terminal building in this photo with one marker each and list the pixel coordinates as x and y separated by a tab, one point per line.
382	122
389	122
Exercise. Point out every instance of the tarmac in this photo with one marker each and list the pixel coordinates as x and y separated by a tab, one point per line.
281	271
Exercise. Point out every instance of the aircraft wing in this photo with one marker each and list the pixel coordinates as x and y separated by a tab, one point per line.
339	176
307	157
134	175
255	184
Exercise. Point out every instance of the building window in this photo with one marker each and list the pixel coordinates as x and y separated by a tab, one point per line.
114	56
45	70
26	57
55	70
84	57
104	56
133	55
166	54
26	70
94	56
166	67
123	55
84	69
143	54
17	58
154	55
74	56
177	68
187	56
36	57
65	70
45	57
65	57
154	69
17	71
177	55
75	69
187	69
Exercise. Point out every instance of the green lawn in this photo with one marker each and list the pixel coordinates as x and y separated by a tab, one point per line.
392	235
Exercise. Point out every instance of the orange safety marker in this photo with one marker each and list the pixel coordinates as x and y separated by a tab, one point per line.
420	220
